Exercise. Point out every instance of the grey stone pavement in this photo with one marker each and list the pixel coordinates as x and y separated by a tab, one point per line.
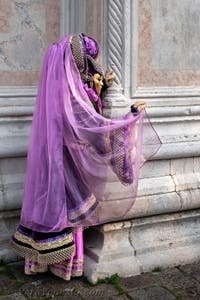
178	283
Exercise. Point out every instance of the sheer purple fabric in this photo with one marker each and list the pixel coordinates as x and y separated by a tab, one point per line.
79	162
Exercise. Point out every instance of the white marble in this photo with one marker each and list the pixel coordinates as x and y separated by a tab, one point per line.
8	223
175	37
132	247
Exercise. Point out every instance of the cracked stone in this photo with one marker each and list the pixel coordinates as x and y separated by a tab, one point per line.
151	293
137	281
46	286
180	284
17	270
7	282
58	289
101	291
120	297
15	296
192	270
67	296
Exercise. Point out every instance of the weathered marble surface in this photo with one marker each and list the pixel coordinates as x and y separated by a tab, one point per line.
142	244
8	223
27	27
175	35
168	43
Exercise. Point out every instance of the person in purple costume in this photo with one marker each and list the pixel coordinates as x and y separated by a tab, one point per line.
75	154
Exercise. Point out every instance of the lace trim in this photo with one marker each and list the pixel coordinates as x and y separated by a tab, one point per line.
44	245
44	258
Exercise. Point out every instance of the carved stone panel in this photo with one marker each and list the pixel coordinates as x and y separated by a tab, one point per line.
26	28
168	43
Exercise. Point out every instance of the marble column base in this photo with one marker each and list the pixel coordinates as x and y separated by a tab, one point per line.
139	245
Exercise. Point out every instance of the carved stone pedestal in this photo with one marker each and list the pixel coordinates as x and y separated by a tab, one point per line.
139	245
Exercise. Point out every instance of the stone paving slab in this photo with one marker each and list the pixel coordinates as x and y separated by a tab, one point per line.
116	297
139	281
15	296
152	293
8	286
191	270
18	272
180	283
55	288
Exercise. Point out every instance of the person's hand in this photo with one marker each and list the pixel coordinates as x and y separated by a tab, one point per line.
140	105
109	78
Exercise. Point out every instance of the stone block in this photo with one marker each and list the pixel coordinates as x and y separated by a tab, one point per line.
196	164
11	182
140	245
143	206
191	270
155	168
178	150
152	186
190	199
152	293
187	181
155	204
181	284
182	165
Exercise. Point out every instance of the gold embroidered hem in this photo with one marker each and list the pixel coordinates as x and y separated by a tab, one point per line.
31	267
60	252
70	268
55	256
59	242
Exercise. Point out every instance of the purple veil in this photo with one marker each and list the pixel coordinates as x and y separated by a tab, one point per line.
76	156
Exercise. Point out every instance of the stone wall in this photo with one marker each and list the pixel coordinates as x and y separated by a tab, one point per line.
27	27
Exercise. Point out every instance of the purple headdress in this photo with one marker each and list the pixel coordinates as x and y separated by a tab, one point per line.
90	46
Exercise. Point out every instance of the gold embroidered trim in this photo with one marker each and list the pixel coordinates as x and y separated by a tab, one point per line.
59	273
46	258
64	274
36	268
107	140
77	273
44	245
77	52
86	206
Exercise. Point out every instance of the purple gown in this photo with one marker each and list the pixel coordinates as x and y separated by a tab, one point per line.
74	155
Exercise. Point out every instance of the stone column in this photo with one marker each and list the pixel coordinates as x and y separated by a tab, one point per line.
115	50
